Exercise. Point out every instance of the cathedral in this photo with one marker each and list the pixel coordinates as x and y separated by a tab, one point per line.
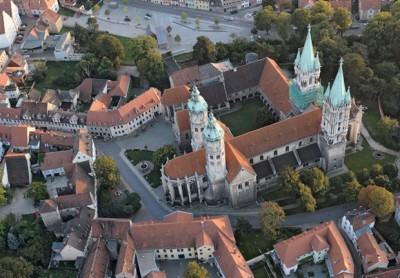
313	131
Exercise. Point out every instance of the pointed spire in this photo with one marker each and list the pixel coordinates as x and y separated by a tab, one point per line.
195	92
213	131
317	64
348	96
307	56
338	90
328	90
297	61
196	103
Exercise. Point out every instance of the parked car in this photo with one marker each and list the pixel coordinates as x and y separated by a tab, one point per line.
147	17
234	12
149	14
23	27
229	18
127	18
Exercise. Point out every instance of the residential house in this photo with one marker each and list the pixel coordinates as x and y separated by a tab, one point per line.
368	9
52	20
90	88
8	87
202	4
84	148
397	210
97	261
373	257
17	170
357	221
33	8
64	49
3	60
174	99
57	163
58	100
181	129
35	40
341	4
4	101
17	68
392	272
225	5
9	23
323	242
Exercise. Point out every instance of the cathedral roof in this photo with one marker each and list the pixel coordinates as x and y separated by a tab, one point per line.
197	104
337	95
213	131
235	162
186	165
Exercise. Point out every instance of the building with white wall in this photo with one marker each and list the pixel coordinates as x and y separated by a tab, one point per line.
9	23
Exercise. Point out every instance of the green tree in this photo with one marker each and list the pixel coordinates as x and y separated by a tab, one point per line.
315	179
216	22
264	117
379	200
300	19
161	155
356	73
386	70
111	47
204	51
37	191
194	270
96	8
383	181
306	200
154	71
289	179
332	49
92	24
243	227
107	172
321	11
265	18
140	46
3	197
390	169
197	22
254	31
363	176
283	24
341	18
271	216
178	39
375	170
351	190
88	65
107	12
266	3
15	267
386	127
39	71
105	64
126	10
184	16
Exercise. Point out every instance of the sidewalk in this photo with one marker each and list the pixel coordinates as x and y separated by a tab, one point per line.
375	145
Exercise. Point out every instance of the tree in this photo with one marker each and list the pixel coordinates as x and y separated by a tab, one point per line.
126	10
92	24
197	22
315	179
184	16
111	47
107	12
39	71
341	18
264	117
379	200
264	19
356	73
178	39
161	155
390	169
3	193
266	3
386	126
15	267
306	199
154	69
383	181
125	2
96	8
351	190
254	31
363	176
169	29
216	22
105	64
283	25
271	216
289	179
140	46
376	170
37	191
107	172
88	65
243	227
204	51
194	270
321	11
301	19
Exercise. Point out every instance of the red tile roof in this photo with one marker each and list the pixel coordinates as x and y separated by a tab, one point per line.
341	4
365	5
156	274
120	86
126	257
176	95
110	228
235	162
51	16
97	260
53	160
183	120
186	165
186	76
393	272
20	135
371	253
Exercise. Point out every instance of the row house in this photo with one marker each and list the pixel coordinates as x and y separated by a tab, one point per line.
35	8
9	23
8	86
17	68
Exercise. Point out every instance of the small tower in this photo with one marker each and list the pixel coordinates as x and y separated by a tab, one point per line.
197	107
306	88
334	123
214	143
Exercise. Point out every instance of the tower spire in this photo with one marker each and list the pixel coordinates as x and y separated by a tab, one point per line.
338	94
307	56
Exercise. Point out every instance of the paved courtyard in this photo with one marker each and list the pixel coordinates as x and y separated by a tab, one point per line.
19	205
176	268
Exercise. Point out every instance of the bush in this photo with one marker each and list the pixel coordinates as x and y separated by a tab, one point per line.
107	12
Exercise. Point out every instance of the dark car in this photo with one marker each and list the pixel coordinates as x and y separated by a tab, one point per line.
149	14
234	12
127	18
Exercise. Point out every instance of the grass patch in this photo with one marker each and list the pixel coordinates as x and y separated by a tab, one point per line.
60	273
243	120
66	29
277	194
84	107
135	156
364	158
54	70
183	57
64	11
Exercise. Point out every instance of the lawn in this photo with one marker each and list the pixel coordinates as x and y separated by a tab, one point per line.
54	70
184	57
61	273
64	11
243	120
135	156
364	158
273	195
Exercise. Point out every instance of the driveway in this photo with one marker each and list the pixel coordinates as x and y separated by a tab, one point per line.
19	205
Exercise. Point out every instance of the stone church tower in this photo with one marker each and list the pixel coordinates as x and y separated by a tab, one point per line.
214	144
306	88
334	123
197	107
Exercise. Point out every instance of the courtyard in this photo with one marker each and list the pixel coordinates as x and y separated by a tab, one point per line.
176	268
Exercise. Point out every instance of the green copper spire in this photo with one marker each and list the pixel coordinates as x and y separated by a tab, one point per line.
328	90
348	96
317	64
197	103
307	56
213	131
338	92
297	57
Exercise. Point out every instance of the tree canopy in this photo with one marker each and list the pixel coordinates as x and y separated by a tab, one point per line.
265	18
306	199
379	200
141	46
283	25
194	270
315	179
341	19
242	227
204	51
111	47
289	179
107	172
37	191
264	117
270	216
161	155
15	267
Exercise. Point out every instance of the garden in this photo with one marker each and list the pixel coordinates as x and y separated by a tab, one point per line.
136	156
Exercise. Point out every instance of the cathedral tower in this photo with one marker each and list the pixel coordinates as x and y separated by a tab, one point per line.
197	107
334	123
306	88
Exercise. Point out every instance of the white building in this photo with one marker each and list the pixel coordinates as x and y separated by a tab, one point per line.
357	221
9	23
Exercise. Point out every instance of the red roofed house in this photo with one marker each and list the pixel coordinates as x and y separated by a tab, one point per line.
174	99
341	4
8	87
56	163
9	23
357	221
33	8
373	257
322	242
369	8
52	20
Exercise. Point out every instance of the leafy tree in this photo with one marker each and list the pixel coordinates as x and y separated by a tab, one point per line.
254	31
154	69
356	73
39	72
12	241
361	49
169	29
197	22
3	235
107	12
349	176
194	270
108	74
37	191
315	179
140	46
351	190
67	79
92	24
390	169
96	8
264	117
105	64
289	179
15	267
332	49
161	155
270	216
216	22
379	200
264	49
88	65
300	19
386	70
265	18
204	51
3	197
321	11
383	181
184	16
111	47
376	170
386	127
363	176
341	18
306	199
107	172
243	227
178	39
283	25
126	10
266	3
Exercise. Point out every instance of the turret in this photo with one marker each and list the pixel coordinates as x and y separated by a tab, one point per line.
197	107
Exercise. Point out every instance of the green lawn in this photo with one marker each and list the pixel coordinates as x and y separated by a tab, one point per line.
364	158
135	156
61	273
54	70
66	29
184	57
279	193
371	118
64	11
243	120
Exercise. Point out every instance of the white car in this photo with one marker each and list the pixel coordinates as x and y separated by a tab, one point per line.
229	18
147	17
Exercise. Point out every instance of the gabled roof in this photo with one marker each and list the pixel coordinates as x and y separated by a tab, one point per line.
20	135
91	87
18	169
156	274
203	239
51	16
175	96
61	159
96	262
17	61
365	5
120	86
110	228
183	120
186	165
371	253
126	257
187	76
360	217
6	7
235	162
